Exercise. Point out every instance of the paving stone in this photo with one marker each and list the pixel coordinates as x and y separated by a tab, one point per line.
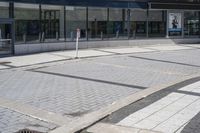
81	86
13	121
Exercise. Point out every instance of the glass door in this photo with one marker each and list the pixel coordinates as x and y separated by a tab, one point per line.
5	38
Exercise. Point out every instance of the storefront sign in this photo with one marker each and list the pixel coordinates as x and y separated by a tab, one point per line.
175	23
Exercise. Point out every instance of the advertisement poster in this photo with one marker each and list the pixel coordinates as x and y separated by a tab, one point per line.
175	24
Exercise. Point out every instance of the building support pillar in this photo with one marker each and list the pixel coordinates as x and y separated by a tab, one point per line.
11	10
62	22
107	24
199	24
40	23
128	22
12	28
147	22
65	32
182	17
87	38
167	24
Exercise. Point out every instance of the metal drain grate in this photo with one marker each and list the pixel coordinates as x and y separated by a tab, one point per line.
28	131
3	63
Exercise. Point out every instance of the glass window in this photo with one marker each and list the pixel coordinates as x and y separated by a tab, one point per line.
157	23
191	23
26	22
117	26
4	10
138	23
75	19
52	23
97	23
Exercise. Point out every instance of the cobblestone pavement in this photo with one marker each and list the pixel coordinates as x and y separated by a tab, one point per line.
11	122
78	87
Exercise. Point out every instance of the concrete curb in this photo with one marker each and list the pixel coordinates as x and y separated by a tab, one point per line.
91	118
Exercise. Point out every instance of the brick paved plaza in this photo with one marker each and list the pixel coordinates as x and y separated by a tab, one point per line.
73	88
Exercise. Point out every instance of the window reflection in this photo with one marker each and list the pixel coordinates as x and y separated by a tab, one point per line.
26	23
75	18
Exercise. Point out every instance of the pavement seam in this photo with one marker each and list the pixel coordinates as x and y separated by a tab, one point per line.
91	118
106	128
34	112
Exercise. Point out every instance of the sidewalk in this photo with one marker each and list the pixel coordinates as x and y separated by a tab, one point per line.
48	57
174	110
53	91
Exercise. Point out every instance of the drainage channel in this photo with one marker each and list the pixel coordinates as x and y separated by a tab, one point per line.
28	131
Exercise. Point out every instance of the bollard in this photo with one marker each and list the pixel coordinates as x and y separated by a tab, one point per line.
134	34
24	38
101	35
78	35
117	34
39	37
57	36
72	36
43	37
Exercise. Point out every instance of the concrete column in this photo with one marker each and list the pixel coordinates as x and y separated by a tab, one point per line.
62	26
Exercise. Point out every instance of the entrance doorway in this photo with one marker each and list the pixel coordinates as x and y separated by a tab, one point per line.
51	24
6	37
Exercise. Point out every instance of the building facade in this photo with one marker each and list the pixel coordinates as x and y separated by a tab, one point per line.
36	25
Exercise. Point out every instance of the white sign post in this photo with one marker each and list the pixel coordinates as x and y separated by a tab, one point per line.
78	35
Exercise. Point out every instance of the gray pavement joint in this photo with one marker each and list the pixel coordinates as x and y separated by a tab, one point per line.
35	112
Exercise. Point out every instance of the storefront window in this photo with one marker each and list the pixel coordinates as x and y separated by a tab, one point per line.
118	24
52	23
191	23
75	19
26	23
157	23
97	23
4	10
138	23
